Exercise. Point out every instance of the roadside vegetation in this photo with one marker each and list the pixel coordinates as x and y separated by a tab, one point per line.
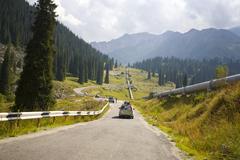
143	84
115	87
79	104
67	100
205	124
16	128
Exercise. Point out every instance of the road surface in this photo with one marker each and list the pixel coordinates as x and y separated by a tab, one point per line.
109	138
80	91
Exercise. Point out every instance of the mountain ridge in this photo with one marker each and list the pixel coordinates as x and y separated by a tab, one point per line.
205	43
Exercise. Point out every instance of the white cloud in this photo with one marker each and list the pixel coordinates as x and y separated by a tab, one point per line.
97	20
65	16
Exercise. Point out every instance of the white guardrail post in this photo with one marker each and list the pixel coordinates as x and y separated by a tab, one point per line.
208	85
47	114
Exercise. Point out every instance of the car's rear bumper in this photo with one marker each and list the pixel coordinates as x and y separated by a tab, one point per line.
125	115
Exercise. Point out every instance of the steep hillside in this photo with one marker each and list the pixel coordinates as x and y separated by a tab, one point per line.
18	52
204	124
16	18
198	44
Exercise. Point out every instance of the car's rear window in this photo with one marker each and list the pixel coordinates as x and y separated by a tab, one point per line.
128	107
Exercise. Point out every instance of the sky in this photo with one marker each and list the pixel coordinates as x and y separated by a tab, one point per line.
104	20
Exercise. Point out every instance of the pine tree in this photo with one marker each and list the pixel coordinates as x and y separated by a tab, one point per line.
7	72
60	68
116	64
179	81
149	75
185	80
34	90
107	74
111	64
100	71
159	77
85	72
153	74
81	72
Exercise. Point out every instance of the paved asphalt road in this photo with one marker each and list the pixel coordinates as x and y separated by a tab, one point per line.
109	138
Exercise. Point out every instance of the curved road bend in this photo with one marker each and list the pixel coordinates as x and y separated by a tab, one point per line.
109	138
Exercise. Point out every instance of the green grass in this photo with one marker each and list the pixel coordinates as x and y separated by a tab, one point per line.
145	86
206	125
65	88
116	88
4	104
119	93
78	104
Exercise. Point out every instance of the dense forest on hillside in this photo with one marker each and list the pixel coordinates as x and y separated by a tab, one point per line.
73	54
188	70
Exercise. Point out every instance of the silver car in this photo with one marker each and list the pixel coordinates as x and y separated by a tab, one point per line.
126	110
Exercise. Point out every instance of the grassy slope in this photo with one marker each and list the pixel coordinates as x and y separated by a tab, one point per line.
66	98
203	124
118	87
145	86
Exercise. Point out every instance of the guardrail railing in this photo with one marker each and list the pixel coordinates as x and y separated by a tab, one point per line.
47	114
128	84
208	85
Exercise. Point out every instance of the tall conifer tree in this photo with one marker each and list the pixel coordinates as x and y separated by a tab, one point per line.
60	68
100	71
185	80
107	74
149	75
81	71
34	90
116	64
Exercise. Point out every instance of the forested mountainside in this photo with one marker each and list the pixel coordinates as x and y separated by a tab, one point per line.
187	71
73	54
196	44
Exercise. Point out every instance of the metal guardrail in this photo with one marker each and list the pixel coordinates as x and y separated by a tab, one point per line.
208	85
128	84
47	114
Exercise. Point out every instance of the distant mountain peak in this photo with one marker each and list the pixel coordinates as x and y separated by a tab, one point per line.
191	31
167	33
194	44
135	34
